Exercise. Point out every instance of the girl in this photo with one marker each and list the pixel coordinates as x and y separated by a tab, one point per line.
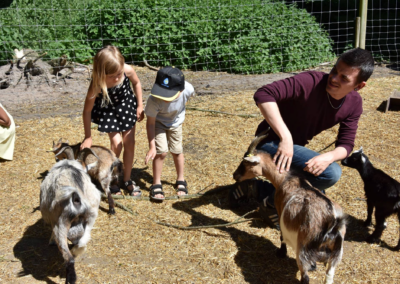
110	103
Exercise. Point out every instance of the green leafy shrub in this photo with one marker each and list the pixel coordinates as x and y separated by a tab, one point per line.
241	36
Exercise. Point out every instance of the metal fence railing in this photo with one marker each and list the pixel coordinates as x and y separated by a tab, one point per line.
248	36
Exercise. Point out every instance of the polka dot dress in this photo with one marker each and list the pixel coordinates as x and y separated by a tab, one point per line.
120	115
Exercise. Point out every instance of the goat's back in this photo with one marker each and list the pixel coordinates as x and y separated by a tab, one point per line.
306	210
66	179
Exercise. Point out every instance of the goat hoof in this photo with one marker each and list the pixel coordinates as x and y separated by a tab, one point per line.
111	211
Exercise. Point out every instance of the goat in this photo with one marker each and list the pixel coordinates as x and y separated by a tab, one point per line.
69	202
107	171
312	224
381	190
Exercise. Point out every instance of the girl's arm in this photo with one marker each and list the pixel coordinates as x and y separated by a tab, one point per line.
87	115
4	118
151	134
137	88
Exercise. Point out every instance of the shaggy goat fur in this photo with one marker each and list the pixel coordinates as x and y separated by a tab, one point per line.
69	202
107	171
312	224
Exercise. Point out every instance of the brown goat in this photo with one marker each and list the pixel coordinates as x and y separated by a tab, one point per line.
107	170
312	224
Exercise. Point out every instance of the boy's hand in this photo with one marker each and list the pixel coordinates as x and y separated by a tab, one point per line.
139	113
87	143
150	155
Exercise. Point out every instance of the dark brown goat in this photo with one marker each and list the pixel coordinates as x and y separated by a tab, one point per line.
312	224
108	169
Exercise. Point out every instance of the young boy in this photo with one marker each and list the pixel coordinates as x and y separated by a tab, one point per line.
165	111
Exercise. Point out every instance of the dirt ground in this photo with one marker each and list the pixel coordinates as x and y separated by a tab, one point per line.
129	248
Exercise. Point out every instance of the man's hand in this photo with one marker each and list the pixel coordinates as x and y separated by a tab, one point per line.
87	143
150	155
284	155
318	164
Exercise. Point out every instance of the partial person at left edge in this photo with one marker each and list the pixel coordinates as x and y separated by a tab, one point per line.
7	135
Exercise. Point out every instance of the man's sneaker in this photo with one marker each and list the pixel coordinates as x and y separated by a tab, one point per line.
241	191
270	216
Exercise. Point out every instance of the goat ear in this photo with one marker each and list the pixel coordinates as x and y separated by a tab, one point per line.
59	141
67	142
252	159
361	149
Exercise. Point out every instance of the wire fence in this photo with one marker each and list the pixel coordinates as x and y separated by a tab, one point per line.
246	37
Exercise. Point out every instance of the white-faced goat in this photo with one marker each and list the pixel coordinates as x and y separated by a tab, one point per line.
69	202
107	170
381	190
312	224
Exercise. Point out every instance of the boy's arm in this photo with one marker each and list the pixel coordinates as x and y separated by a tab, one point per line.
137	88
151	134
87	116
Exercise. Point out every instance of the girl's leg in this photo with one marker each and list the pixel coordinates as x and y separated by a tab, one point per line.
115	143
129	153
116	147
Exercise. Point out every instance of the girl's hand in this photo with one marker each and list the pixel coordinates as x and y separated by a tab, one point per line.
150	155
139	113
87	143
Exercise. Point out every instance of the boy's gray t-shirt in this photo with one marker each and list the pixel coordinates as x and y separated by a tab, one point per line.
169	114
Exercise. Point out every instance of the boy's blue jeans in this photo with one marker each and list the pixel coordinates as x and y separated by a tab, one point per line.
300	156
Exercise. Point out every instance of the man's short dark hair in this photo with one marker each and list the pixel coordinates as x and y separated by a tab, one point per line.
361	59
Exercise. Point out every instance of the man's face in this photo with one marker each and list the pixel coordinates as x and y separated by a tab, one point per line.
342	80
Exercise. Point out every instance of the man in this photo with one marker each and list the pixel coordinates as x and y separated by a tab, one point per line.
297	109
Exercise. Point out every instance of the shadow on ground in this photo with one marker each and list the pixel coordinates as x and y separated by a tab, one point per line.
38	258
256	255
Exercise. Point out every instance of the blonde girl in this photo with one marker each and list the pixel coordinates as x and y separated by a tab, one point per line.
111	103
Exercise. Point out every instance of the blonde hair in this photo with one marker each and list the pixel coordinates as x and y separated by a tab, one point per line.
108	60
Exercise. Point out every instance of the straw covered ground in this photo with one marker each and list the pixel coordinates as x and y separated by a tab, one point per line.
128	248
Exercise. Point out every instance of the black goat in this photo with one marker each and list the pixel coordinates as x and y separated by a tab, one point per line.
382	192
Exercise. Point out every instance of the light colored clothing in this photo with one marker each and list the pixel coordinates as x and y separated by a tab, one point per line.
169	114
169	139
7	139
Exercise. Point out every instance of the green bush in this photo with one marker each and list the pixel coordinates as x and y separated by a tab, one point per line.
246	36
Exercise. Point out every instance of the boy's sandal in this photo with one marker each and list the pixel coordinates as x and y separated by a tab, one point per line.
177	188
114	189
135	188
153	193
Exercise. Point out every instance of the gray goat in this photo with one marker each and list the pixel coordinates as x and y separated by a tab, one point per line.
69	202
108	169
312	224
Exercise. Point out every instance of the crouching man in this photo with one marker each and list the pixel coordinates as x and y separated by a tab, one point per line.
297	109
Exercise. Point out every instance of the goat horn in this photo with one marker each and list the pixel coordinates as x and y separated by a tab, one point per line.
256	141
68	151
84	153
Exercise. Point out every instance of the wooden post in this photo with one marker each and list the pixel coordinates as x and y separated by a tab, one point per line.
363	22
357	33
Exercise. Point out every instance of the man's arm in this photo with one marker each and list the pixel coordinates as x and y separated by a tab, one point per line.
284	154
318	164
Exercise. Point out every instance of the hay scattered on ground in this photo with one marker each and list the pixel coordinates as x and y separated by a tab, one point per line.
134	249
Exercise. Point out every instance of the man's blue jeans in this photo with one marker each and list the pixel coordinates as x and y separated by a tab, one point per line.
300	156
